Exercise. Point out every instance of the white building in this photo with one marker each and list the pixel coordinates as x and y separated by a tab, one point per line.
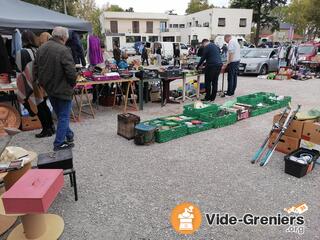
126	28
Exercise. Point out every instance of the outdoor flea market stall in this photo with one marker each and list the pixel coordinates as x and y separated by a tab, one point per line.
30	182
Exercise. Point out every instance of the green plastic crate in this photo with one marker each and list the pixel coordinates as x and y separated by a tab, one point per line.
251	99
189	110
199	128
259	111
172	133
217	120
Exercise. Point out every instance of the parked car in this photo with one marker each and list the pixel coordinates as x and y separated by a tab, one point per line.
259	61
129	50
307	51
244	51
167	48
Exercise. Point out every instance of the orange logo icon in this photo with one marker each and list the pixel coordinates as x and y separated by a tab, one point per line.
186	218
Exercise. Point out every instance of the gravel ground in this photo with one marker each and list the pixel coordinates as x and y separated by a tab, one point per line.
128	191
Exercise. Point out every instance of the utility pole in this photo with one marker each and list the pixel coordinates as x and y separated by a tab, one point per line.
65	6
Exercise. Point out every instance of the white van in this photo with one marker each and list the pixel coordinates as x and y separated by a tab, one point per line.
167	48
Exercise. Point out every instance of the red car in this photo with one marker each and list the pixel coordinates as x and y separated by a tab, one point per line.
307	51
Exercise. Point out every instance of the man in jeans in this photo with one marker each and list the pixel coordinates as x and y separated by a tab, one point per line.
233	63
211	54
55	71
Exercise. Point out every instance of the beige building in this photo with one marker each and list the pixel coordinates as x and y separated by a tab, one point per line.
126	28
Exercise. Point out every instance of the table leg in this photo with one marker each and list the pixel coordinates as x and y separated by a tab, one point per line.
184	80
81	103
141	94
134	99
89	102
162	92
126	98
198	87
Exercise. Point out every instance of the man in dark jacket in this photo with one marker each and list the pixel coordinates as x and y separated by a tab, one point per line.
211	54
55	71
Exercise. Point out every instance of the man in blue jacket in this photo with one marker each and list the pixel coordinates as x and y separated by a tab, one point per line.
211	54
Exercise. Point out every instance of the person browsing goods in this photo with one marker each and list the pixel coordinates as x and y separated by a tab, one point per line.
211	54
232	63
56	72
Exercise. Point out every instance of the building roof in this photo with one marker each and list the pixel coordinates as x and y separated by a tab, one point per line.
135	15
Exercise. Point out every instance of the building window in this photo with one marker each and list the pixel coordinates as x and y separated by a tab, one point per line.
206	24
153	38
196	23
189	24
178	38
168	39
144	39
135	27
243	22
149	27
133	39
175	25
114	26
221	22
195	37
181	26
163	26
170	25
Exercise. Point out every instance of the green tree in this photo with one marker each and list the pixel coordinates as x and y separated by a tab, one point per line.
114	8
261	13
197	6
87	9
130	9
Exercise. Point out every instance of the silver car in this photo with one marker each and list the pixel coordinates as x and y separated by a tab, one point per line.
259	61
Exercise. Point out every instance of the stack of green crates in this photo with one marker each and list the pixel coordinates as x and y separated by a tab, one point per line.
175	130
221	119
189	110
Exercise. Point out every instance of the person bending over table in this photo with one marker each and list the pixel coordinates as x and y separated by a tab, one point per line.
211	54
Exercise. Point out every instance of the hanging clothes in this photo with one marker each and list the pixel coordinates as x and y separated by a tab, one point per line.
76	48
4	58
94	50
16	44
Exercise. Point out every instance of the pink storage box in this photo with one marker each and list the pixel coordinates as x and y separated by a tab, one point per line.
34	192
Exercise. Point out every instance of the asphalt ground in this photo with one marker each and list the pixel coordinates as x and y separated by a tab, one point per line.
128	191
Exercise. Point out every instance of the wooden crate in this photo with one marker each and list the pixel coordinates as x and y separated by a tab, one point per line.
126	125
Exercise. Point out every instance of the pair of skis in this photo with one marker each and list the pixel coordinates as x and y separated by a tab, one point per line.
279	127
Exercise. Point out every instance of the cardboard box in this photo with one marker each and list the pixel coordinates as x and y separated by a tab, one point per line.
311	132
286	144
34	192
29	123
296	127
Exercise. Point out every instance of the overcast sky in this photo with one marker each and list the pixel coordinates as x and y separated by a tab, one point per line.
157	5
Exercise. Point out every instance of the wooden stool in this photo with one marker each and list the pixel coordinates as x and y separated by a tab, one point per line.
32	196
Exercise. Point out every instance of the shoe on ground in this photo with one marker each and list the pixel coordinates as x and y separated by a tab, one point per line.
63	146
70	140
44	133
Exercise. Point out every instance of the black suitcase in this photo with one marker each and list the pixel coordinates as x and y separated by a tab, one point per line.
56	160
